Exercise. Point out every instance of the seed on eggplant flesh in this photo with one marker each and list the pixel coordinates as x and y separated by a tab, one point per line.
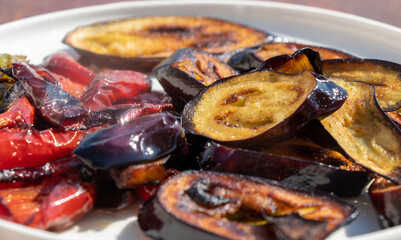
188	71
144	139
253	57
298	162
365	132
384	75
260	107
386	199
212	205
148	40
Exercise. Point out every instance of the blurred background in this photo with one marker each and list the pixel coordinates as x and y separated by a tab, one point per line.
386	11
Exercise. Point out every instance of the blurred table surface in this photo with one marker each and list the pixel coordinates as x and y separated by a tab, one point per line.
386	11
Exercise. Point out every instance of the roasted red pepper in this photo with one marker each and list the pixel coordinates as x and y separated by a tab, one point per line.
54	204
20	112
111	86
56	105
30	147
65	65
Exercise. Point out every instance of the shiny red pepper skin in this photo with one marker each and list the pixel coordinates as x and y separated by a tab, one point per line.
54	204
111	86
63	64
56	105
19	113
30	147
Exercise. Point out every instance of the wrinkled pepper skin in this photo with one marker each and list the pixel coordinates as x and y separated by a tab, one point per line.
63	64
111	86
211	205
54	204
143	139
20	113
30	147
56	105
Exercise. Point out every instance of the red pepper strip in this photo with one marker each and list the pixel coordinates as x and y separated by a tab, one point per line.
144	109
56	105
63	64
20	112
30	147
54	204
111	86
35	174
145	192
77	89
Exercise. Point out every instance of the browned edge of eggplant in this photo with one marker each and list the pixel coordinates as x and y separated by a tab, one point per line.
187	71
211	205
180	31
316	96
384	75
300	164
251	58
304	58
386	199
365	133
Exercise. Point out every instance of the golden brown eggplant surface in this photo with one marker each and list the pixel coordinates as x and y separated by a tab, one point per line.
253	57
260	107
384	75
210	205
158	37
187	71
365	132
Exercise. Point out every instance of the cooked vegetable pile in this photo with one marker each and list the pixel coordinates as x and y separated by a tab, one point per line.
251	138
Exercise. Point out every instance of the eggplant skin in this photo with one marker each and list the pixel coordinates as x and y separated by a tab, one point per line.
187	71
386	199
365	133
301	164
384	75
149	39
260	107
251	58
212	205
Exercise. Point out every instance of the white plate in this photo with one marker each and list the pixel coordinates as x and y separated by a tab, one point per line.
41	35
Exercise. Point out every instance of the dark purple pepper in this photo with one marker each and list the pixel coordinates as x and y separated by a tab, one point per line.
56	105
144	139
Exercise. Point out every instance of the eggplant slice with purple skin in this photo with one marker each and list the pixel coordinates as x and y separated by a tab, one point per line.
303	59
365	132
188	71
142	140
211	205
386	199
384	75
261	107
298	162
251	58
142	42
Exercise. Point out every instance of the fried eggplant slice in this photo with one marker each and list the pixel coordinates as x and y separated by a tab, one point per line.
298	162
303	59
211	205
188	71
140	43
252	58
261	107
365	132
386	199
384	75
